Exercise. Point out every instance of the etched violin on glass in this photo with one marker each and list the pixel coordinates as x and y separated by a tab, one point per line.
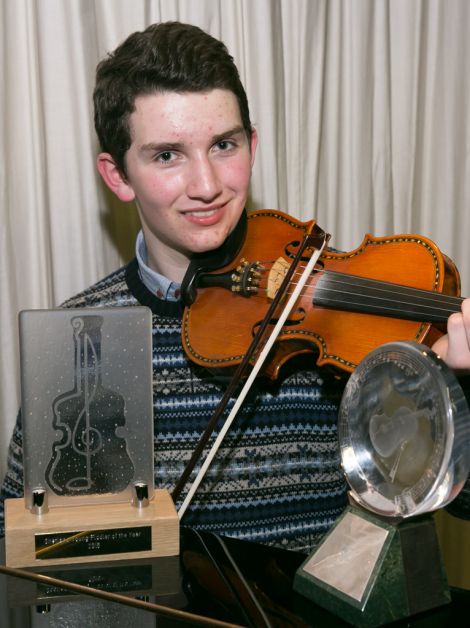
88	451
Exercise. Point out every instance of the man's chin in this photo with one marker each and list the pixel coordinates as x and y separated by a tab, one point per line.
208	246
203	251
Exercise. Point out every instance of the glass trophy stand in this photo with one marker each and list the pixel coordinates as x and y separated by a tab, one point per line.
404	435
86	388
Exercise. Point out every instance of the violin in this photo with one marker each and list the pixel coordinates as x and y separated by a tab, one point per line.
389	288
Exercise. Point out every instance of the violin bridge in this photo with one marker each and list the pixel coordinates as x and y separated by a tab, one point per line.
276	276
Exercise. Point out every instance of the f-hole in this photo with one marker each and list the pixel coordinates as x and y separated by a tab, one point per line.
296	318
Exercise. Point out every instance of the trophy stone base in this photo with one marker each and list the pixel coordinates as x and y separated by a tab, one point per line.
371	572
91	533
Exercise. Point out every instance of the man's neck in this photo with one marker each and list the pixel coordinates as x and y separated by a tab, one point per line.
165	261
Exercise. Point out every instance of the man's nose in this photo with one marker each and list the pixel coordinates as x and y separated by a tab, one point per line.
204	183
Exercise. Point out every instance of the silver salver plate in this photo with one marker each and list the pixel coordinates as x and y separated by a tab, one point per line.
404	431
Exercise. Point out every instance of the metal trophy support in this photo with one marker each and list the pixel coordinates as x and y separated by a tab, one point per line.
86	387
404	435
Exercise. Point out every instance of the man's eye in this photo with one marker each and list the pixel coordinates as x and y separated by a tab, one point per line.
165	157
224	144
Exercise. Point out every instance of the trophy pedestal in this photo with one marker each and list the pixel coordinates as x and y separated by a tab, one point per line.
371	572
90	533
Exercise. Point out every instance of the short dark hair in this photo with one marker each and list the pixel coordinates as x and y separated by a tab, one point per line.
170	56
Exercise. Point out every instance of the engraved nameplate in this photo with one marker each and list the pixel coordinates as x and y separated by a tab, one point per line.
92	542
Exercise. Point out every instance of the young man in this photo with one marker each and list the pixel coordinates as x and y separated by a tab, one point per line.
173	122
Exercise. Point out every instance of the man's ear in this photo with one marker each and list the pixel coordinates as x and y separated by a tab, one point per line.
253	144
114	178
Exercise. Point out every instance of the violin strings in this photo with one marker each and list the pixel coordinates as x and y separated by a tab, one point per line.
343	291
377	297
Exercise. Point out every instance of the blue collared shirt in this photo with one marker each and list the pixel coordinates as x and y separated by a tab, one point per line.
159	285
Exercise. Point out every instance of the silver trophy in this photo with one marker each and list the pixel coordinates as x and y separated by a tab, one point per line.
404	437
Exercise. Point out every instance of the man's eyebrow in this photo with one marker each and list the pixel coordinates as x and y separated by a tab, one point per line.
161	147
222	136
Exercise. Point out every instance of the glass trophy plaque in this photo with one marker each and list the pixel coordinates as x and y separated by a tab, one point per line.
87	416
404	437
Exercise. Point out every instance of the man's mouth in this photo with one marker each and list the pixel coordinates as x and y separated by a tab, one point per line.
205	216
201	213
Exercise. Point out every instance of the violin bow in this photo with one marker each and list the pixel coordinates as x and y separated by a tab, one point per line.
315	238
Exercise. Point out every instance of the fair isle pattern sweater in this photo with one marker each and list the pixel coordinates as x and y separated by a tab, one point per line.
276	478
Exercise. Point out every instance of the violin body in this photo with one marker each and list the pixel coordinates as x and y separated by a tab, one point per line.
221	323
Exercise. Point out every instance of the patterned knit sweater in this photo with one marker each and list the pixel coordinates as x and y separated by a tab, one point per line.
276	478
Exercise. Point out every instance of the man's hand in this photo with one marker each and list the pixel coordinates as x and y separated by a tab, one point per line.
454	347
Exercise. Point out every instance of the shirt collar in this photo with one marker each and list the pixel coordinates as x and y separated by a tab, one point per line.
160	286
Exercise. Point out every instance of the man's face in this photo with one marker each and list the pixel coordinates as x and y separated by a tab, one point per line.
188	168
